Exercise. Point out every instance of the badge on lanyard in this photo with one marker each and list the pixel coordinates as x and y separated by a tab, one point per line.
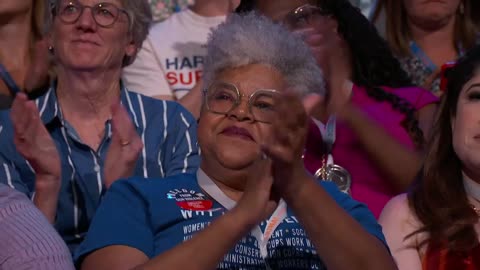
330	171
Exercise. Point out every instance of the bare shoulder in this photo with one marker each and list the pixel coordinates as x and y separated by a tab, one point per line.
397	207
397	213
400	224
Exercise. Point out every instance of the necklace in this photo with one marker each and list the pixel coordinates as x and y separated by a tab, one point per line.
99	132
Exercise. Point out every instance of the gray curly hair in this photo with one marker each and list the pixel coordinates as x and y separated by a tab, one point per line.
250	38
139	14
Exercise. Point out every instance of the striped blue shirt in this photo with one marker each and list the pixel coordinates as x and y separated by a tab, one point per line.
168	133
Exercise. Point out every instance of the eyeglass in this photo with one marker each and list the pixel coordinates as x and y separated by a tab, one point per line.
303	16
223	98
104	14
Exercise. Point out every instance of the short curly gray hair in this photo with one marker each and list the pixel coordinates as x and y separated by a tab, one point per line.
139	14
251	38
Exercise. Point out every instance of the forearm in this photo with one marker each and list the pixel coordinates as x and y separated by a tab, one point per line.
207	248
399	163
46	196
340	241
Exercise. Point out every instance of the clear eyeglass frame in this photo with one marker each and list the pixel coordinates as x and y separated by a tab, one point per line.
104	14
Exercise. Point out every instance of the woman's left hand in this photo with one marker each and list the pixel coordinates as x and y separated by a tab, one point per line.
124	149
286	142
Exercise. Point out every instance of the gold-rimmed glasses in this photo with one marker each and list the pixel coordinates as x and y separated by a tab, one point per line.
223	98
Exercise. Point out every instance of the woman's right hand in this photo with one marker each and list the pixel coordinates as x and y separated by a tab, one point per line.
333	56
34	143
258	201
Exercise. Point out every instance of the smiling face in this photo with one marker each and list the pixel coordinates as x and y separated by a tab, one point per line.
233	141
466	126
84	45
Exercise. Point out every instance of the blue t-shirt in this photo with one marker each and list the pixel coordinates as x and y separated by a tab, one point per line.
155	216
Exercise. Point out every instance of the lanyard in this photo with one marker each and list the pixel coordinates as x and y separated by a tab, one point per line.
418	52
8	80
277	217
262	238
213	190
329	136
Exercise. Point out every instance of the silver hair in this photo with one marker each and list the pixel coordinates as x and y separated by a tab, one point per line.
251	38
140	18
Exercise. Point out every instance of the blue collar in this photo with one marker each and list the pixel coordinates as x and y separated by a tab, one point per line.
50	110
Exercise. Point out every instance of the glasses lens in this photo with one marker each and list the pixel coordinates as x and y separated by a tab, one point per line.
303	16
264	104
105	14
221	97
69	11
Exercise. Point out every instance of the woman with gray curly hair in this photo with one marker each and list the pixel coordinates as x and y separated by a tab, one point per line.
67	147
252	205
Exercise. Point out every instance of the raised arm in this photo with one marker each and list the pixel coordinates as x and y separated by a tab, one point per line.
400	167
335	224
35	144
124	148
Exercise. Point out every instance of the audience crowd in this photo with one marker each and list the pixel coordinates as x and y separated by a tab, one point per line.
239	134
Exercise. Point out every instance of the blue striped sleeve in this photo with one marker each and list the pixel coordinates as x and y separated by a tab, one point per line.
181	141
9	176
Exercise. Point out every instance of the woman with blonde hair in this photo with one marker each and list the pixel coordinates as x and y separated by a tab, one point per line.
425	35
24	60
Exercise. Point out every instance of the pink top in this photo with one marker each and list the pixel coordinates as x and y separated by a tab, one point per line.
368	184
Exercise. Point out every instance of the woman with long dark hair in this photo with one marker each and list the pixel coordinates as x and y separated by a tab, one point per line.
436	225
381	120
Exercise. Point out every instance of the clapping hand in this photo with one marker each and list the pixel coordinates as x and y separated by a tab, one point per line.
33	141
124	148
333	56
285	145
